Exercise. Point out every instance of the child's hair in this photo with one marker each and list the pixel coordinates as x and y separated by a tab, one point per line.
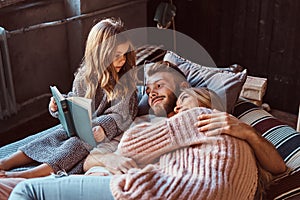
164	66
206	97
96	67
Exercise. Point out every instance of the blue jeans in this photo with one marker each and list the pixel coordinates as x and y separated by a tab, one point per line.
68	187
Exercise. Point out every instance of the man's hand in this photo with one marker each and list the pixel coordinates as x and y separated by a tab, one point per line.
218	123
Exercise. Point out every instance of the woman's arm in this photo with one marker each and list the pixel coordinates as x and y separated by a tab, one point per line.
146	142
224	123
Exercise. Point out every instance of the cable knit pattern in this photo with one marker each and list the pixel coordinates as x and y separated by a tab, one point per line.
219	167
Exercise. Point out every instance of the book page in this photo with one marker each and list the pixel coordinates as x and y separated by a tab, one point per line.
83	102
81	113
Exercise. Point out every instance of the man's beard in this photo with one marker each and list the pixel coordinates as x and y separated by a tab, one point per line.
163	109
159	110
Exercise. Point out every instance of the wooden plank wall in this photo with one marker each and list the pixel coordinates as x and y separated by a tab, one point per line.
264	41
261	35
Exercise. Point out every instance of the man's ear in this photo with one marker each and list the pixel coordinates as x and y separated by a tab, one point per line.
184	84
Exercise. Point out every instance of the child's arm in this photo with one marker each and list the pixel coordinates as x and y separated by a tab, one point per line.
114	119
117	118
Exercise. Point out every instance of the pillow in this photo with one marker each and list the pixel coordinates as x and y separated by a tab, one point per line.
285	139
149	53
285	188
226	83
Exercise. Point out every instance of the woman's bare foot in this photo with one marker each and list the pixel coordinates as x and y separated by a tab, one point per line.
17	174
6	174
39	171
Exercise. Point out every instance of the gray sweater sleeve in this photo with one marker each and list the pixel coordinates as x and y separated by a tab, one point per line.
114	117
118	116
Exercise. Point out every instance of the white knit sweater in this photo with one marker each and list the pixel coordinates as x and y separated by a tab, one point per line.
190	165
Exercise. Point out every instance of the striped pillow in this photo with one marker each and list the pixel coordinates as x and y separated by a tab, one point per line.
285	139
286	188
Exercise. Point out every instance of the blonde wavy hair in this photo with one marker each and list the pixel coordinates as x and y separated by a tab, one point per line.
96	68
206	97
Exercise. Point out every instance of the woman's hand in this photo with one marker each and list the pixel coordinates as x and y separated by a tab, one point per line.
52	105
218	123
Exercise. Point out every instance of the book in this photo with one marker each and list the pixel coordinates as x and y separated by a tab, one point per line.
75	115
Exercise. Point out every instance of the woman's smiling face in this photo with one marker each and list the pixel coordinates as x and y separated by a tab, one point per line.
185	101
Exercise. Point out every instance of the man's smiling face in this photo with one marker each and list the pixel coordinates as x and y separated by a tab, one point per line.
160	89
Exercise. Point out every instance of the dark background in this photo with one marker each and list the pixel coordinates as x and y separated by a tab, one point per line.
260	35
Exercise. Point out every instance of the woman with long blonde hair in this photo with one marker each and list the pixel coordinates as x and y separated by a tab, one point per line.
107	77
198	97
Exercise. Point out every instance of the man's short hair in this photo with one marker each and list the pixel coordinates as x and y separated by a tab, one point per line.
164	66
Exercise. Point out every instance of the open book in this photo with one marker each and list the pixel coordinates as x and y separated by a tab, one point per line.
75	115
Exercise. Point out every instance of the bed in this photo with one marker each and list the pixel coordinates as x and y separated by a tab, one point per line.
226	82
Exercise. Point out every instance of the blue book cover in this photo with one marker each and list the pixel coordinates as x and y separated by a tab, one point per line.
75	115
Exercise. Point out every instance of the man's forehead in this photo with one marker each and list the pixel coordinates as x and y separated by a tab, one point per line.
151	82
161	76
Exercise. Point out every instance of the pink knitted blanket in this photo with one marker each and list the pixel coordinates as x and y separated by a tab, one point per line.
188	165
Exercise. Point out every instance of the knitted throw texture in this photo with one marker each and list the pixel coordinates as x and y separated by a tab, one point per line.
178	162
